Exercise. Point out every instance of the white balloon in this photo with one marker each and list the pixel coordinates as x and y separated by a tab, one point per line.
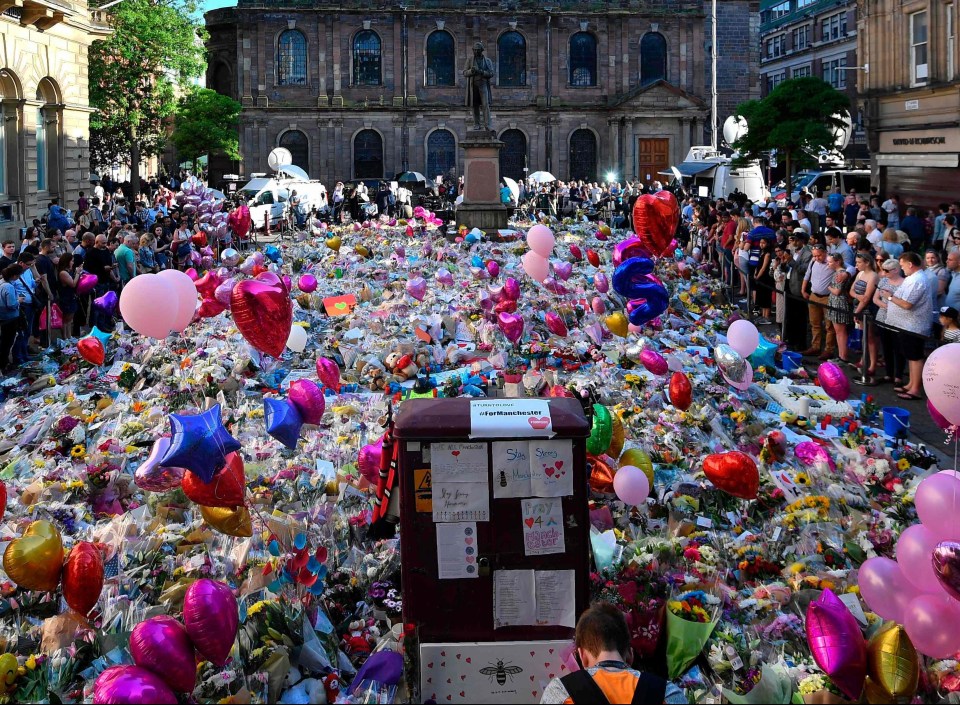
297	340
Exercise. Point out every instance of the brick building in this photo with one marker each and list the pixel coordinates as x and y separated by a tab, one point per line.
368	88
910	97
813	38
44	130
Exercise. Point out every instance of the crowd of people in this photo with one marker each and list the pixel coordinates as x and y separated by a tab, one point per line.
842	273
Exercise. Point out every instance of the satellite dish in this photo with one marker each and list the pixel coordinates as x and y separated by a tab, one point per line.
841	135
279	157
734	128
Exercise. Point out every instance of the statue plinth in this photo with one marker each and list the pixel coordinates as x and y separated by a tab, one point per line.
481	206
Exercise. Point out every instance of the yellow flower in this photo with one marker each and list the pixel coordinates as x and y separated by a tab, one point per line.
78	452
31	662
256	607
903	465
855	589
802	478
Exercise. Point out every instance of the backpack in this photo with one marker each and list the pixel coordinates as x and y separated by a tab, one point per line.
584	690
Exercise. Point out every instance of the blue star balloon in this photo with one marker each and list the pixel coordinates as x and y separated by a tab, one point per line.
283	421
101	336
764	354
200	443
272	253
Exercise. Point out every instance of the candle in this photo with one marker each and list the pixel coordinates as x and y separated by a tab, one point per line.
804	407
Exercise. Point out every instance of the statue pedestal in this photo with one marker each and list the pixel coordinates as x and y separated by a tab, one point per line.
481	207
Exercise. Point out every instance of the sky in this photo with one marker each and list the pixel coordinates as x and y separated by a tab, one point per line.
214	4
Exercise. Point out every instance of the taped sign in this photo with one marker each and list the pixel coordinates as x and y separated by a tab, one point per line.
423	488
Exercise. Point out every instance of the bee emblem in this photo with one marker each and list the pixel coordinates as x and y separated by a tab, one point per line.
503	479
500	671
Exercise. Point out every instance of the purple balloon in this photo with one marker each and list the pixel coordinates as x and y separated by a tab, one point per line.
563	270
511	325
511	289
946	564
417	287
601	282
329	373
654	362
107	303
837	644
307	397
493	268
161	645
307	283
444	277
631	247
154	477
86	283
131	685
834	381
211	618
224	291
368	462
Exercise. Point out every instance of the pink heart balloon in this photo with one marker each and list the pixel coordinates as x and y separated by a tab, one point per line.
417	288
511	324
576	252
160	644
511	289
211	618
654	362
555	324
308	400
563	270
207	284
86	283
192	273
209	308
224	291
946	564
263	312
601	282
329	373
444	277
368	462
152	476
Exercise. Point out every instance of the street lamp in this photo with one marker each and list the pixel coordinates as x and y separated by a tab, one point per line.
611	177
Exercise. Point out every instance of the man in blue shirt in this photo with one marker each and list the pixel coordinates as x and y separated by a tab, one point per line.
952	298
835	203
913	226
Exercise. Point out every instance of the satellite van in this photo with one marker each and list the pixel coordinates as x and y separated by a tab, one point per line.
269	195
708	173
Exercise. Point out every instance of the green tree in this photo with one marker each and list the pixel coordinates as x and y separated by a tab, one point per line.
206	122
156	47
798	118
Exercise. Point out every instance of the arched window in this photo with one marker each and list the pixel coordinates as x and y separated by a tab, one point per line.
441	59
222	80
292	58
10	153
583	156
583	59
512	59
653	58
513	155
368	155
441	153
366	58
48	138
296	142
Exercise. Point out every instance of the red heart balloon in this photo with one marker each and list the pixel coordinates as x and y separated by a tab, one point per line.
593	258
734	472
3	500
208	283
83	577
91	350
210	307
655	218
226	489
263	312
199	239
681	393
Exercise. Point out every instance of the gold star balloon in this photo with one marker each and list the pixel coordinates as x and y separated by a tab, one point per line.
893	665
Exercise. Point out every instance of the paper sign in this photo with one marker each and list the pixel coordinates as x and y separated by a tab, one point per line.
555	590
783	478
459	462
457	551
551	468
534	598
511	469
853	604
510	418
460	501
422	489
339	305
542	527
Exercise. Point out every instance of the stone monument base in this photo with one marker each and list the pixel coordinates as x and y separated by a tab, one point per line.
481	207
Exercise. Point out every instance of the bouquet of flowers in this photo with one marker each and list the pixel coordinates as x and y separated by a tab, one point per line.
691	618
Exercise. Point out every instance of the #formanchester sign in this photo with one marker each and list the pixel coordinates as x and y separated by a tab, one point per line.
510	418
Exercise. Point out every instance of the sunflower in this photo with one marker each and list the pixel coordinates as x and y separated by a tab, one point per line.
903	465
78	452
802	478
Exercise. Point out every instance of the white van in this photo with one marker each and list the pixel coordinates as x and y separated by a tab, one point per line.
825	180
270	196
707	173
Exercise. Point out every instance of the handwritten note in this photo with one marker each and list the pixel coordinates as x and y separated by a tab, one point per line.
528	597
457	551
551	468
459	462
460	501
542	527
511	469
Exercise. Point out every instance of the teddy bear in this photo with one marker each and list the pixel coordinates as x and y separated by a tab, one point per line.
401	366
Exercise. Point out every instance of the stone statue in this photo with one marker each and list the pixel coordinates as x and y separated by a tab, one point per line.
479	71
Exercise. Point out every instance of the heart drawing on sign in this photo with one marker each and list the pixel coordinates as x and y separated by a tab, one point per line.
559	464
455	453
539	422
469	542
340	306
529	522
470	559
548	469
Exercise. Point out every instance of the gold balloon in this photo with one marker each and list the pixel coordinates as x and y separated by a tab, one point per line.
8	673
875	694
893	663
35	560
334	243
604	230
232	522
359	249
618	324
616	443
638	458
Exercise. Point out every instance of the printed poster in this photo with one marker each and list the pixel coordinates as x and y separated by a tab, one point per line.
542	526
534	598
457	551
510	418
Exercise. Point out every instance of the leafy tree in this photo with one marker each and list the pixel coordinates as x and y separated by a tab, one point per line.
206	122
155	48
798	118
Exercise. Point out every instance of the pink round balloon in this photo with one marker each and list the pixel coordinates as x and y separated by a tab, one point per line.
938	505
511	325
598	306
150	304
601	282
161	645
308	400
536	266
743	337
541	240
885	588
563	270
211	618
186	297
417	288
940	374
915	557
937	417
224	291
931	623
152	476
493	269
368	462
555	324
511	289
86	283
740	384
654	362
834	381
631	485
836	643
307	283
329	373
131	685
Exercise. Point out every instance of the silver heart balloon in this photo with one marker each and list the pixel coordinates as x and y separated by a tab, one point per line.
152	476
946	564
730	362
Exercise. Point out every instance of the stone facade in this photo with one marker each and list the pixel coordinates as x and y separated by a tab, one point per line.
910	97
44	147
616	121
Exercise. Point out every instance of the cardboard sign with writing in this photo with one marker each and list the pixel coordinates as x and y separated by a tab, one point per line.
543	526
339	305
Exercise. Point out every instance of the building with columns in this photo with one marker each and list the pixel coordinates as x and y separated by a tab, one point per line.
369	88
44	147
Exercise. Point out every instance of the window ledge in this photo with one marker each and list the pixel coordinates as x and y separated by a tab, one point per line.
573	87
